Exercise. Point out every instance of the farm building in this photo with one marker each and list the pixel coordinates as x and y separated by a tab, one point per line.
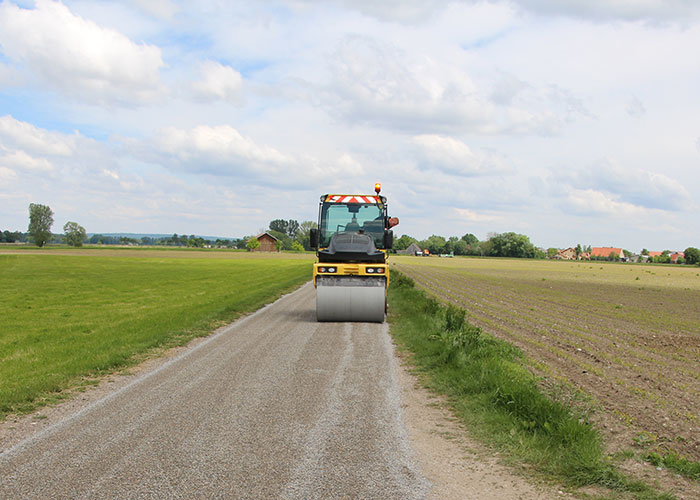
566	254
267	243
606	251
676	255
412	249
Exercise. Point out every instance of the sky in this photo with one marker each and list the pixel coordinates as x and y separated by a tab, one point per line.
569	121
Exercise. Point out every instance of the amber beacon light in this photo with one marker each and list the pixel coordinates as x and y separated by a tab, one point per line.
377	187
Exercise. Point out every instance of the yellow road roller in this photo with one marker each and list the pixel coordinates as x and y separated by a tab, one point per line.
351	274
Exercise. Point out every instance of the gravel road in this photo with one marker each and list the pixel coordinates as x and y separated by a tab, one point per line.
273	406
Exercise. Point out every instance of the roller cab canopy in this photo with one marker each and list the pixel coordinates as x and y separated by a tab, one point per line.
353	214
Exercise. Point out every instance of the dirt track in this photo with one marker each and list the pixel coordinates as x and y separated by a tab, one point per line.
273	406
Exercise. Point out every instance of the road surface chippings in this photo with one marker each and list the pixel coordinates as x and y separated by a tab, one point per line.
274	406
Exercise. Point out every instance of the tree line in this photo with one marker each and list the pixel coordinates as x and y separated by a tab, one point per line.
496	245
518	245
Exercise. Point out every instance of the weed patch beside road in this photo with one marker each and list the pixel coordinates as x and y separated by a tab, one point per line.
68	319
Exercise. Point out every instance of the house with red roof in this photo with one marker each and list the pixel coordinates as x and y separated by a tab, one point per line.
677	255
604	252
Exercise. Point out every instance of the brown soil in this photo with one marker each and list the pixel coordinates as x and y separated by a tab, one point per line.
608	348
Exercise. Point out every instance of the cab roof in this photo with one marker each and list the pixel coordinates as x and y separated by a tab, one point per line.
354	198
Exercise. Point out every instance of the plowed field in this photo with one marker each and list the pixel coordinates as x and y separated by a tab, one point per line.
626	334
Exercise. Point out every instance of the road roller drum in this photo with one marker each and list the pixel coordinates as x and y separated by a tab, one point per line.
350	298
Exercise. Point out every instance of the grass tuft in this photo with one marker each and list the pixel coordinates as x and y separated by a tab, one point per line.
675	463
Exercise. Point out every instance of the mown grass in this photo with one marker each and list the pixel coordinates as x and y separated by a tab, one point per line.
68	319
498	398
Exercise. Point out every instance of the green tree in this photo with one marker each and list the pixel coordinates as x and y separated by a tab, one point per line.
297	247
450	244
253	244
279	225
75	233
482	248
10	237
292	228
40	222
470	239
645	251
579	250
404	242
460	247
552	252
436	244
304	233
664	258
285	242
692	256
512	245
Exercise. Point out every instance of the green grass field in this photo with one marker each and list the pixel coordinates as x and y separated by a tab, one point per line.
67	319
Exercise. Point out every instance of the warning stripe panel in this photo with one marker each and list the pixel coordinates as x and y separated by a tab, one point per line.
352	198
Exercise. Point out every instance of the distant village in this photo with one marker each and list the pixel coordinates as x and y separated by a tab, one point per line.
614	254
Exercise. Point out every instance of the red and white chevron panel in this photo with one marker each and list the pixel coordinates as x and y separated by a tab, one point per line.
351	198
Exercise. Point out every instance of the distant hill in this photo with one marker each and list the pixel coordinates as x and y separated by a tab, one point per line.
138	236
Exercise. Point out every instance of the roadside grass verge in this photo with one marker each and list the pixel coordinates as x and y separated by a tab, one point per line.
69	319
498	398
676	463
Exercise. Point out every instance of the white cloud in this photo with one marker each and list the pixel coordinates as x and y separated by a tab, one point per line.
380	84
22	135
454	157
7	174
377	83
635	107
410	11
78	57
218	82
421	11
163	9
506	88
474	216
20	160
217	150
628	10
347	165
592	202
635	186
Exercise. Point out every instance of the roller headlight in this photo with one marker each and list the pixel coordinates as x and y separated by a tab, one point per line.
374	270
